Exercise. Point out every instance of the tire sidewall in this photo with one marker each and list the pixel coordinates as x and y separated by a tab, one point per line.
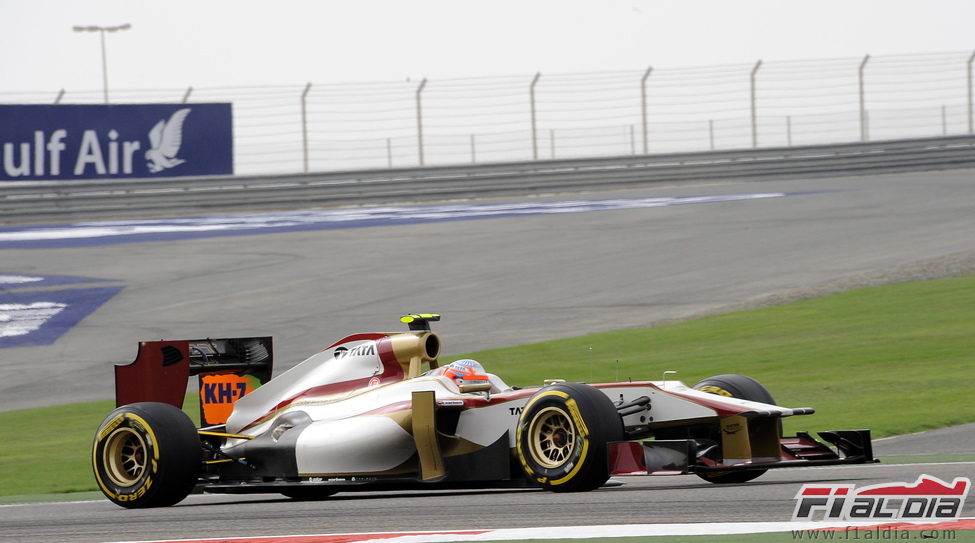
568	406
733	385
172	455
595	422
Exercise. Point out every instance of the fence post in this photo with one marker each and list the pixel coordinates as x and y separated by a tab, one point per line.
970	59
754	116
643	107
304	125
419	119
186	95
389	152
531	97
788	130
711	132
863	110
473	151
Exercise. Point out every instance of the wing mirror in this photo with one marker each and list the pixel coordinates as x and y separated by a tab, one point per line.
478	386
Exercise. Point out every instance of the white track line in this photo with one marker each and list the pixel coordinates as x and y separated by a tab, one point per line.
562	532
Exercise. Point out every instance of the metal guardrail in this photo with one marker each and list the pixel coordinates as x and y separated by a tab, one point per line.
70	200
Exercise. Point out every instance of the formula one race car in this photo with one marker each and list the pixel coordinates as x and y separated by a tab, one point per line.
377	410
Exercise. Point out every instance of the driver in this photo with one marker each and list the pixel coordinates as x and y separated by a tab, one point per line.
465	370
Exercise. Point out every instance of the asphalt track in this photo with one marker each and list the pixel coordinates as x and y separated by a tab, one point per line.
498	281
640	500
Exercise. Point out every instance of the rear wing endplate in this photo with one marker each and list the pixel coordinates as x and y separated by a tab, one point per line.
227	368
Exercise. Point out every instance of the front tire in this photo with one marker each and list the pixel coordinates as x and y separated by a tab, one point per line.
146	454
733	385
562	437
744	388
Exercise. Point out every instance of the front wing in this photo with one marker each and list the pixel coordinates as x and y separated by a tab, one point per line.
678	456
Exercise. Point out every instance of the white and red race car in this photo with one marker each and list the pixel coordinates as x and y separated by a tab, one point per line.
377	410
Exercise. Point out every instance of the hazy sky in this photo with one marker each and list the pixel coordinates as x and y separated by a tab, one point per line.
215	43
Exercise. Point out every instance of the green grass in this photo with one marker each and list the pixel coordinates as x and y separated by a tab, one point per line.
48	449
896	359
927	458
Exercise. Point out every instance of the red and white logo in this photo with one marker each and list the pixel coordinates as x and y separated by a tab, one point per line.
928	498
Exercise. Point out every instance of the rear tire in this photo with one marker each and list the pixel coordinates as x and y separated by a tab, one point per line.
562	437
146	454
744	388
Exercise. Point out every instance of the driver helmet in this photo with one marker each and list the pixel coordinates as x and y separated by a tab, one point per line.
465	370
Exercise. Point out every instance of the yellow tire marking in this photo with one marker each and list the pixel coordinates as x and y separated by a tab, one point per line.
713	389
581	428
583	438
114	423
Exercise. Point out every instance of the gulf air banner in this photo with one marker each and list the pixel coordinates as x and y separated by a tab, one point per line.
64	142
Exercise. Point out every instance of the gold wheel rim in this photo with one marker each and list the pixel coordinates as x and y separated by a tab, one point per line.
552	437
125	456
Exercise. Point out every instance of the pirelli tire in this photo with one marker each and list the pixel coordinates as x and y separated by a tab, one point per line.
562	437
735	386
146	454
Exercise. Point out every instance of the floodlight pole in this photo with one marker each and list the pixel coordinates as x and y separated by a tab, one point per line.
102	30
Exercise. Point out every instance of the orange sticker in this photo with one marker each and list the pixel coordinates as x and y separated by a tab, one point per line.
218	394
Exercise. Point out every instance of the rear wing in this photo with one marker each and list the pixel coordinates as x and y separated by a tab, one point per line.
227	369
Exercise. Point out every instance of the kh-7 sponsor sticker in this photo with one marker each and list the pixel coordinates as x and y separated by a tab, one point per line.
219	392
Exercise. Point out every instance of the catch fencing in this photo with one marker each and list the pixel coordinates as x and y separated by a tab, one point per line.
55	200
651	110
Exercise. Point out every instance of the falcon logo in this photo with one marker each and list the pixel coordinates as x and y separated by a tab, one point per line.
928	498
165	139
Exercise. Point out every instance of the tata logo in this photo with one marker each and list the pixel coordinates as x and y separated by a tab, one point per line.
368	349
104	154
